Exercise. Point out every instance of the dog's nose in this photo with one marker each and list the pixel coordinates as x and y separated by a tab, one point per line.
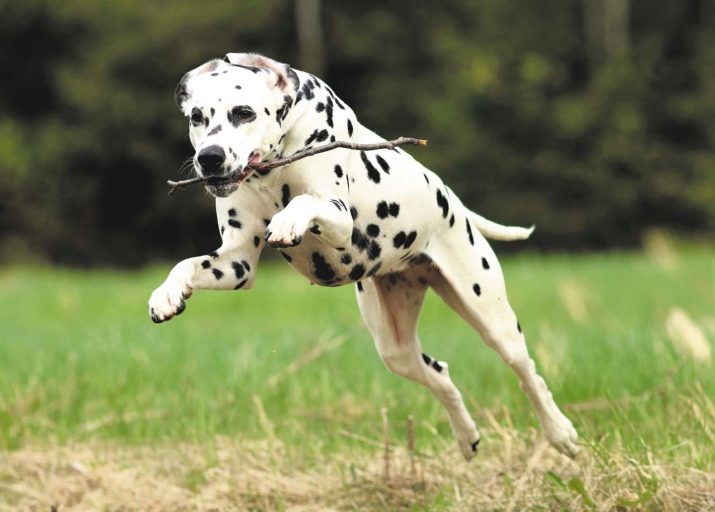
211	160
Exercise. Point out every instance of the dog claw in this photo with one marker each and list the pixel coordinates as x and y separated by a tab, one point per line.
154	317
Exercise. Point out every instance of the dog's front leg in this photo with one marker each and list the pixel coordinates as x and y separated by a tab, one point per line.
231	267
328	219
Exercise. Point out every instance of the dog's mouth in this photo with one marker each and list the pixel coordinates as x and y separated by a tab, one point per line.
222	186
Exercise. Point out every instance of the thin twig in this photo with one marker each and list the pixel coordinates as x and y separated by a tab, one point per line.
386	441
411	443
307	358
272	164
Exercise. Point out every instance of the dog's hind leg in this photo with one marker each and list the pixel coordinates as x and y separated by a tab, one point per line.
469	279
390	307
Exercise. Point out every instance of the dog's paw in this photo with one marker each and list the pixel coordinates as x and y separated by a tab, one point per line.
468	438
168	300
562	436
285	231
469	448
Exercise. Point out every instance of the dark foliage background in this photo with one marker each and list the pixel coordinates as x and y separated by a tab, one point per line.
593	119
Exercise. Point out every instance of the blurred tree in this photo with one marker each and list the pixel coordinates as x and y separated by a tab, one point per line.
592	118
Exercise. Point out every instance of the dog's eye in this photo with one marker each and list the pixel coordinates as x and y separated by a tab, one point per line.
243	113
196	117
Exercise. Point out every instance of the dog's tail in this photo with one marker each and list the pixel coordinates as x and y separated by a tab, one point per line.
496	231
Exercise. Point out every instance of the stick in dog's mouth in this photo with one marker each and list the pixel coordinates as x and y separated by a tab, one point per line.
238	177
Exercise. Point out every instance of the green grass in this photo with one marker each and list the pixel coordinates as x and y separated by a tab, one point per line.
80	361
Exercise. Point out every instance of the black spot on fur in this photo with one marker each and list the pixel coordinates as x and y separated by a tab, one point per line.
240	284
475	445
234	223
329	112
373	230
399	239
359	240
427	359
469	233
315	229
321	268
437	367
320	107
215	129
353	212
217	273
287	257
282	112
442	203
372	173
477	289
346	259
246	265
383	209
267	111
317	135
213	254
256	241
374	269
403	239
350	128
307	90
285	195
238	269
206	264
518	326
383	164
231	212
451	221
485	264
357	272
338	171
359	286
311	138
374	250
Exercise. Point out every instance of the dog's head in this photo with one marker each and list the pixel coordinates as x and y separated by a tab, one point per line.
235	106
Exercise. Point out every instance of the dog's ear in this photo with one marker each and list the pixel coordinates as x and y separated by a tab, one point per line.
183	91
282	76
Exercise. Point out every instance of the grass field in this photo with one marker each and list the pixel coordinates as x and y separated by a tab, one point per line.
274	398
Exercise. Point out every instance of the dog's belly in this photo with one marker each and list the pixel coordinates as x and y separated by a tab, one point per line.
364	257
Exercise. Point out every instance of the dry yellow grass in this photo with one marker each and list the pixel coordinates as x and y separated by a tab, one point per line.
268	475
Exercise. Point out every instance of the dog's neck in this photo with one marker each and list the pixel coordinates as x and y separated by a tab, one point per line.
300	122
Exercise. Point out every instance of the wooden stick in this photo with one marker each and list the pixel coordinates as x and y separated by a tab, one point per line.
272	164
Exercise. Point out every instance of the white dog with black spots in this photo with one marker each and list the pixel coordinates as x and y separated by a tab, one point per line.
377	219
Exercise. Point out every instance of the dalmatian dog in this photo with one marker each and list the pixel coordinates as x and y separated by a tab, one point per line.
376	219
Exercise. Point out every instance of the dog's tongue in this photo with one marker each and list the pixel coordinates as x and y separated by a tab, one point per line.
255	157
